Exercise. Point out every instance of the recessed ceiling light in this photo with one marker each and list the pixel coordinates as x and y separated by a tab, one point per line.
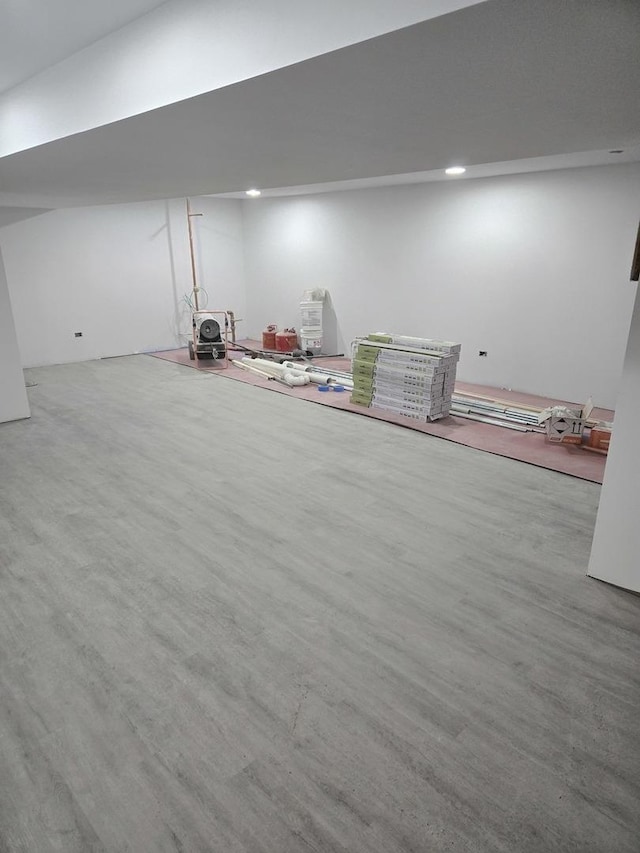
455	170
253	193
617	151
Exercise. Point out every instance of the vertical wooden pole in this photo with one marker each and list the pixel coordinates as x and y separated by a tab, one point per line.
193	259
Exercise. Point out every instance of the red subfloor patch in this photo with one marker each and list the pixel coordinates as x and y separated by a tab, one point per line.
527	447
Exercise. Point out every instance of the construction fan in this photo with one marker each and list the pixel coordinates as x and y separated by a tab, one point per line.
207	337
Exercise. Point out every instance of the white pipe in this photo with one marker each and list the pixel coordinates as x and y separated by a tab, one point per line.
251	369
293	379
314	368
272	370
270	367
330	379
288	367
327	378
471	417
275	369
295	365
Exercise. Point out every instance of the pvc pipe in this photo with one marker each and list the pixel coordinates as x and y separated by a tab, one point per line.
250	369
270	367
312	368
469	416
328	379
294	380
275	369
317	378
272	370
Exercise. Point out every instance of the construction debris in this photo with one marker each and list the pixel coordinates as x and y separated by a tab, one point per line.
415	377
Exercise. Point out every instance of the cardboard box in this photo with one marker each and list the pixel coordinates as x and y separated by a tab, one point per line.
417	403
599	437
408	380
364	353
390	352
416	343
565	429
567	438
564	425
416	416
362	365
361	380
414	377
398	372
402	393
361	398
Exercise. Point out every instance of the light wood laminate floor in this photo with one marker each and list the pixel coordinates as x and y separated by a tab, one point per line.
230	621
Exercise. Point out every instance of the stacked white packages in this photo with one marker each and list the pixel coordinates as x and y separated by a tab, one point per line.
410	376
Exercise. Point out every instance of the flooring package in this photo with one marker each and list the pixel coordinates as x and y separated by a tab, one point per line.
414	377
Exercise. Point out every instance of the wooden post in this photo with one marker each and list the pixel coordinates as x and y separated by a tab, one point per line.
192	255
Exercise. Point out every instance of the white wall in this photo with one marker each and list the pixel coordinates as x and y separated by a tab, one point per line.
117	274
13	396
616	544
185	48
532	268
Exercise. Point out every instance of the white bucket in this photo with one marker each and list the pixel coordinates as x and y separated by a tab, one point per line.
311	313
311	340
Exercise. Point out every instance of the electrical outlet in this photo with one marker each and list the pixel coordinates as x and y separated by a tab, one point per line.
77	334
482	352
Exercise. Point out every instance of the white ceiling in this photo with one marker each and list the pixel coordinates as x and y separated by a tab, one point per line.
495	83
9	215
480	170
35	34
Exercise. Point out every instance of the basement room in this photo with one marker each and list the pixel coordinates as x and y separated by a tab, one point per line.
319	412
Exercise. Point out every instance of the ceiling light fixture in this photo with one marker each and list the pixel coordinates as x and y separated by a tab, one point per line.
455	170
253	193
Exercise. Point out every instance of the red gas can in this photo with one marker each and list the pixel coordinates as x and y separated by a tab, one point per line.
269	337
286	340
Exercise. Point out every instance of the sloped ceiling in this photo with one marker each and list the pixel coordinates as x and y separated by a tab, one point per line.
9	215
502	81
38	33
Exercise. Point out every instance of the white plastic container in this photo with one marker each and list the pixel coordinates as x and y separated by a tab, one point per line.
311	339
311	314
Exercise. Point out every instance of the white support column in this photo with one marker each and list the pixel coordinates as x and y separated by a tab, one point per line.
615	554
13	396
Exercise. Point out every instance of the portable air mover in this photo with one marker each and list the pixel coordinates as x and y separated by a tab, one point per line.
207	339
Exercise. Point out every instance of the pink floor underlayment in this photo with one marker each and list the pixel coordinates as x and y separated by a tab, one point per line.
528	447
